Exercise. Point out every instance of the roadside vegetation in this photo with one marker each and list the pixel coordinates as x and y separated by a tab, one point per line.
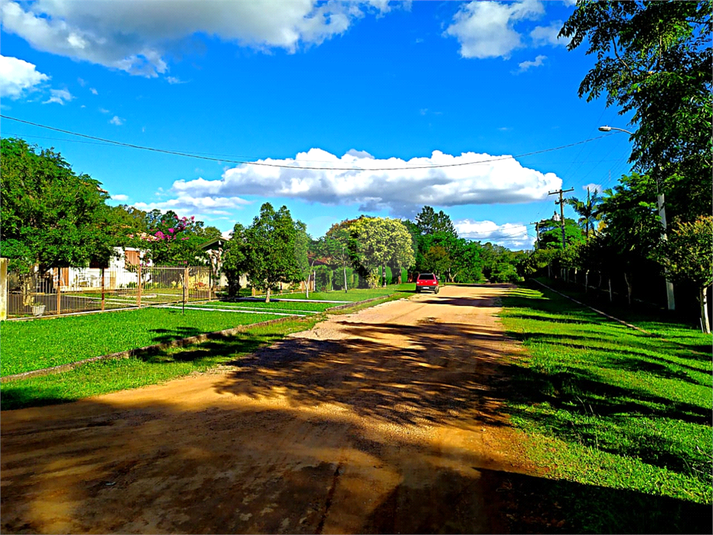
609	407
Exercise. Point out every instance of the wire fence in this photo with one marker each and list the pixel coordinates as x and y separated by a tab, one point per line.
61	291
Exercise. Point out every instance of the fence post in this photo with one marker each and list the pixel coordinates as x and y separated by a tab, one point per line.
138	287
59	290
185	285
102	289
3	289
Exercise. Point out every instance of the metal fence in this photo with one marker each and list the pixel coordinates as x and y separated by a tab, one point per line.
71	290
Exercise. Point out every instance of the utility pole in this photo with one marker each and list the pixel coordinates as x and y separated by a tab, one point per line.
561	203
537	231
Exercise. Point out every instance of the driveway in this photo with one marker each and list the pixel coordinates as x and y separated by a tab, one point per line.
388	420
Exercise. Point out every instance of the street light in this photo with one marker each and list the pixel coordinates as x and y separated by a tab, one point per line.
671	302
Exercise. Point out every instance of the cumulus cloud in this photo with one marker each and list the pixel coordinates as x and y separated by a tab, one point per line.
547	35
93	91
18	76
358	178
187	205
120	197
486	29
59	96
510	235
116	120
593	187
135	36
538	62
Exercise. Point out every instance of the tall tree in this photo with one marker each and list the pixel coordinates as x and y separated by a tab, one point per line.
587	211
270	249
378	242
428	221
654	59
235	259
51	216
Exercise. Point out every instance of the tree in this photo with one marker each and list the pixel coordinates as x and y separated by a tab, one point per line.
270	249
51	217
654	59
632	225
587	211
235	259
307	253
551	233
430	222
336	248
688	256
172	240
380	241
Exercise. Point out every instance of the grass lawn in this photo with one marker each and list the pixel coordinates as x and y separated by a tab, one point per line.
106	376
32	345
621	420
272	306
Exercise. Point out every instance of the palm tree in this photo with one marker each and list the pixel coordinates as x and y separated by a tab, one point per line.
588	211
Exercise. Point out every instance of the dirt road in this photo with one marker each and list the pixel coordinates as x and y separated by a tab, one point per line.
382	421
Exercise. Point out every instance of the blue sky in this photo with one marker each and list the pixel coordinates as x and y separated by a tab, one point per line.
375	88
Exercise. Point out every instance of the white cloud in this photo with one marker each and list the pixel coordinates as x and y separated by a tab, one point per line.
134	36
59	96
547	35
538	62
18	76
402	190
187	205
486	29
173	80
120	197
118	121
592	187
510	235
93	91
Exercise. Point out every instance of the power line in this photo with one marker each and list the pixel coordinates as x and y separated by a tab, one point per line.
298	167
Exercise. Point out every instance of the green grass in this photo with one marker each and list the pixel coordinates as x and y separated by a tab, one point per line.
610	407
354	295
33	345
106	376
52	342
272	306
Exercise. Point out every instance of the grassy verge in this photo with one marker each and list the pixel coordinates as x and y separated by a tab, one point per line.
354	294
41	344
608	407
112	375
272	306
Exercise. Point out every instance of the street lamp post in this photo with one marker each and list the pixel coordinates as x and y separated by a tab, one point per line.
660	202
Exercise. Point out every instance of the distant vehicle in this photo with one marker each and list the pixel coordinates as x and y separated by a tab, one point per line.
427	281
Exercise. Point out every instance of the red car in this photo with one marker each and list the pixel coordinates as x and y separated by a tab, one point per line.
427	281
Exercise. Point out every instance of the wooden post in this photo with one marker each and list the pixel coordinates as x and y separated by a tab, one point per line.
59	290
185	285
138	286
3	289
102	289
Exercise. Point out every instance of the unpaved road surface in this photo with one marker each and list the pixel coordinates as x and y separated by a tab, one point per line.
382	421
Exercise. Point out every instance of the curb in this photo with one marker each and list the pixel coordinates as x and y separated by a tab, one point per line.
148	350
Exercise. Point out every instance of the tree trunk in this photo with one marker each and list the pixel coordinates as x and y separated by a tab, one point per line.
267	295
586	281
610	294
703	300
307	287
345	280
383	276
629	288
399	275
